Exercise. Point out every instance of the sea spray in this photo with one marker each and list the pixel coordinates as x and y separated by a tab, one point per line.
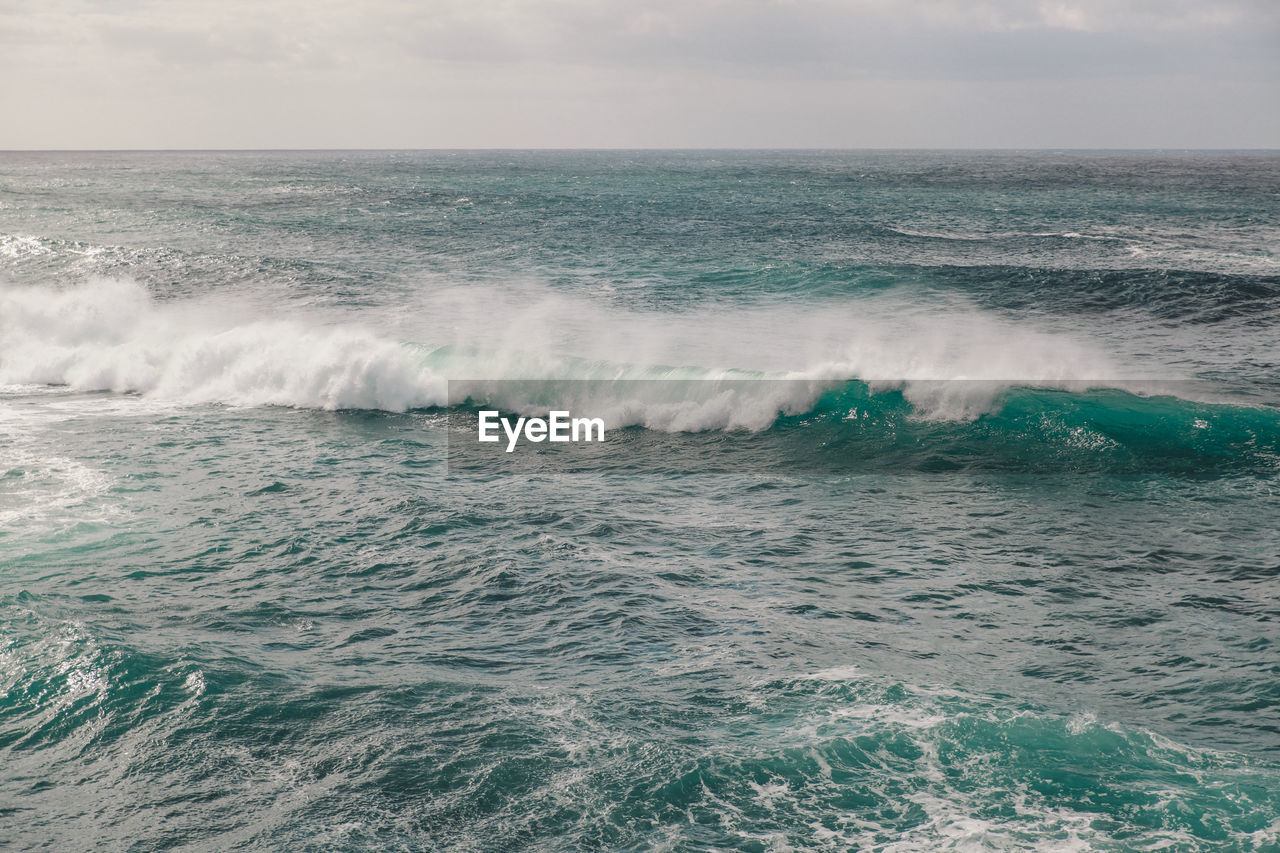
113	335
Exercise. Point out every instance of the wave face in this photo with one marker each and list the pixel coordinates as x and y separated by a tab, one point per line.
937	512
901	390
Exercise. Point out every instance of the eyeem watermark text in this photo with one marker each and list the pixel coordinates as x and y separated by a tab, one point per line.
558	426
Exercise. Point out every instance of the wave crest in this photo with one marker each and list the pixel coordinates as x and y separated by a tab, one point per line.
111	335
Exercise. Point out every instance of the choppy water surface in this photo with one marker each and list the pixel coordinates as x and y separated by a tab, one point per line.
995	567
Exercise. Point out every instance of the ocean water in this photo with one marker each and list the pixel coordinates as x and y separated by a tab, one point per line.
971	545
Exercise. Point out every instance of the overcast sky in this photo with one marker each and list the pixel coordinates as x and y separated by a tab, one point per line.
645	73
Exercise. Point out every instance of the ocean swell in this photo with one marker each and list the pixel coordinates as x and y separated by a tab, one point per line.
881	374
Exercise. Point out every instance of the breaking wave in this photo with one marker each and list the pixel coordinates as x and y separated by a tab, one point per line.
881	370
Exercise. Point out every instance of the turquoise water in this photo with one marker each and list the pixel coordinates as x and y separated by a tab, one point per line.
978	550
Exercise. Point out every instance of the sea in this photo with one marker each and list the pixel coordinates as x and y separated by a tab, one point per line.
936	508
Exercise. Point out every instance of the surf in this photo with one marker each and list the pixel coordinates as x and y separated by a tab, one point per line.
849	369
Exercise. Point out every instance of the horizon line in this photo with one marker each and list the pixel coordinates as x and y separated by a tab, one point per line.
322	149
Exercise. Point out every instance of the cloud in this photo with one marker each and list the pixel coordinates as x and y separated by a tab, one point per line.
911	39
884	36
241	69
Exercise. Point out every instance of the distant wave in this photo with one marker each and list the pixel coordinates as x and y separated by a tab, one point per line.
889	369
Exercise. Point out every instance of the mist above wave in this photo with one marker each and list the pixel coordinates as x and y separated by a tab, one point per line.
113	335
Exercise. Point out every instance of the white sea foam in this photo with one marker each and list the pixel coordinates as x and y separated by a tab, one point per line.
847	672
113	335
38	486
959	817
21	245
